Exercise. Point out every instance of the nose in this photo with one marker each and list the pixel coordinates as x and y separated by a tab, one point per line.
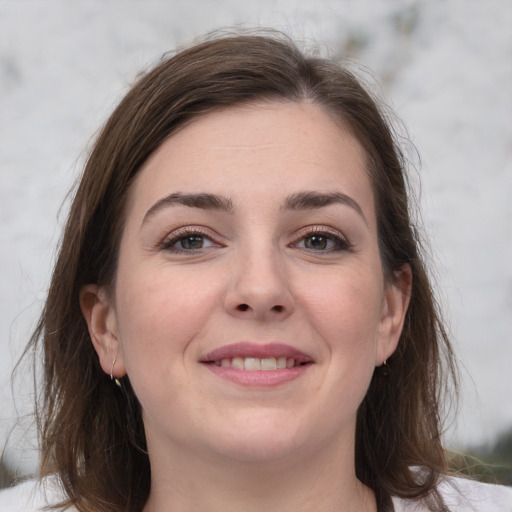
260	288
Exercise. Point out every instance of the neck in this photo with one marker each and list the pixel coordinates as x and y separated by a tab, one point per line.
324	482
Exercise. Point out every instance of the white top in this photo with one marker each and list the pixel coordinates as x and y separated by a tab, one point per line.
460	496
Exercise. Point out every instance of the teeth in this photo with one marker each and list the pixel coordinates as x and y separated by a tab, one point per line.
269	363
256	364
237	362
252	363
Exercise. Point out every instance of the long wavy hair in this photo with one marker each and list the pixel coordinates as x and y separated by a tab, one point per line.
92	434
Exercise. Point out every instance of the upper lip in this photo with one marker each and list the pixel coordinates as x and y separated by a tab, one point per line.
250	349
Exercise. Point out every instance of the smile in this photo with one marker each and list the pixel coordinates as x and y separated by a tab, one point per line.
251	364
258	364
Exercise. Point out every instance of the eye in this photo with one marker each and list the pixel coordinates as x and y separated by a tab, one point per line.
318	243
191	242
321	241
186	241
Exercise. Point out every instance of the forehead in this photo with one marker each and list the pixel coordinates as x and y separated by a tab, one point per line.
265	148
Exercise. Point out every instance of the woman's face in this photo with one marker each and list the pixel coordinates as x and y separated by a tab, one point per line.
250	306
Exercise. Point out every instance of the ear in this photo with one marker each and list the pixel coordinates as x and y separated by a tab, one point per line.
395	304
100	316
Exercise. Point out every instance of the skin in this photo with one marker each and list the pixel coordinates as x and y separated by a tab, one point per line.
259	271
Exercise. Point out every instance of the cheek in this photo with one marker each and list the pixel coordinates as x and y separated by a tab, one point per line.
346	312
350	299
159	312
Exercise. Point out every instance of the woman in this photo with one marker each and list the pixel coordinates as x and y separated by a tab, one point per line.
239	317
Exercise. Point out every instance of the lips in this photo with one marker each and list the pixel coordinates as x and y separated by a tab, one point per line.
253	364
257	363
252	356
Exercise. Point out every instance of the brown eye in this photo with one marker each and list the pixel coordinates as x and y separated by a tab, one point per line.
316	243
323	242
190	242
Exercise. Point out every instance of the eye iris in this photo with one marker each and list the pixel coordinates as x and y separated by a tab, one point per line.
316	242
192	242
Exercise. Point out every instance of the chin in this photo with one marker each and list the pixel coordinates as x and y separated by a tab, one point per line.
260	439
257	451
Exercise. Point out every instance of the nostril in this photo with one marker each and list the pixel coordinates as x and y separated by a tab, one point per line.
245	307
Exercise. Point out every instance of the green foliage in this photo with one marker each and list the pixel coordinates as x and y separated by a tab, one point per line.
491	463
6	474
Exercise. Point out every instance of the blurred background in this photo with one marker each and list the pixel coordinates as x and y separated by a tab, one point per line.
445	68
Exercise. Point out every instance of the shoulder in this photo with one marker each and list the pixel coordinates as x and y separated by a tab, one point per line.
30	496
467	495
464	495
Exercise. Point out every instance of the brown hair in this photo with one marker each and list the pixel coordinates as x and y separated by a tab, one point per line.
91	434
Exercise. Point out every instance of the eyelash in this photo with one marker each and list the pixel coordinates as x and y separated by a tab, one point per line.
168	244
341	243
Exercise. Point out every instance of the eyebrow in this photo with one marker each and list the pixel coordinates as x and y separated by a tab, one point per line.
313	200
308	200
203	201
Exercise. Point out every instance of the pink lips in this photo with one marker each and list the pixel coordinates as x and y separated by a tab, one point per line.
290	362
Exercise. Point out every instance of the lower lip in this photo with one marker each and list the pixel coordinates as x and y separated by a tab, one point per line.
258	378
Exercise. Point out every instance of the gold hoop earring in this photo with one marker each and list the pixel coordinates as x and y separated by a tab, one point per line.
115	379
